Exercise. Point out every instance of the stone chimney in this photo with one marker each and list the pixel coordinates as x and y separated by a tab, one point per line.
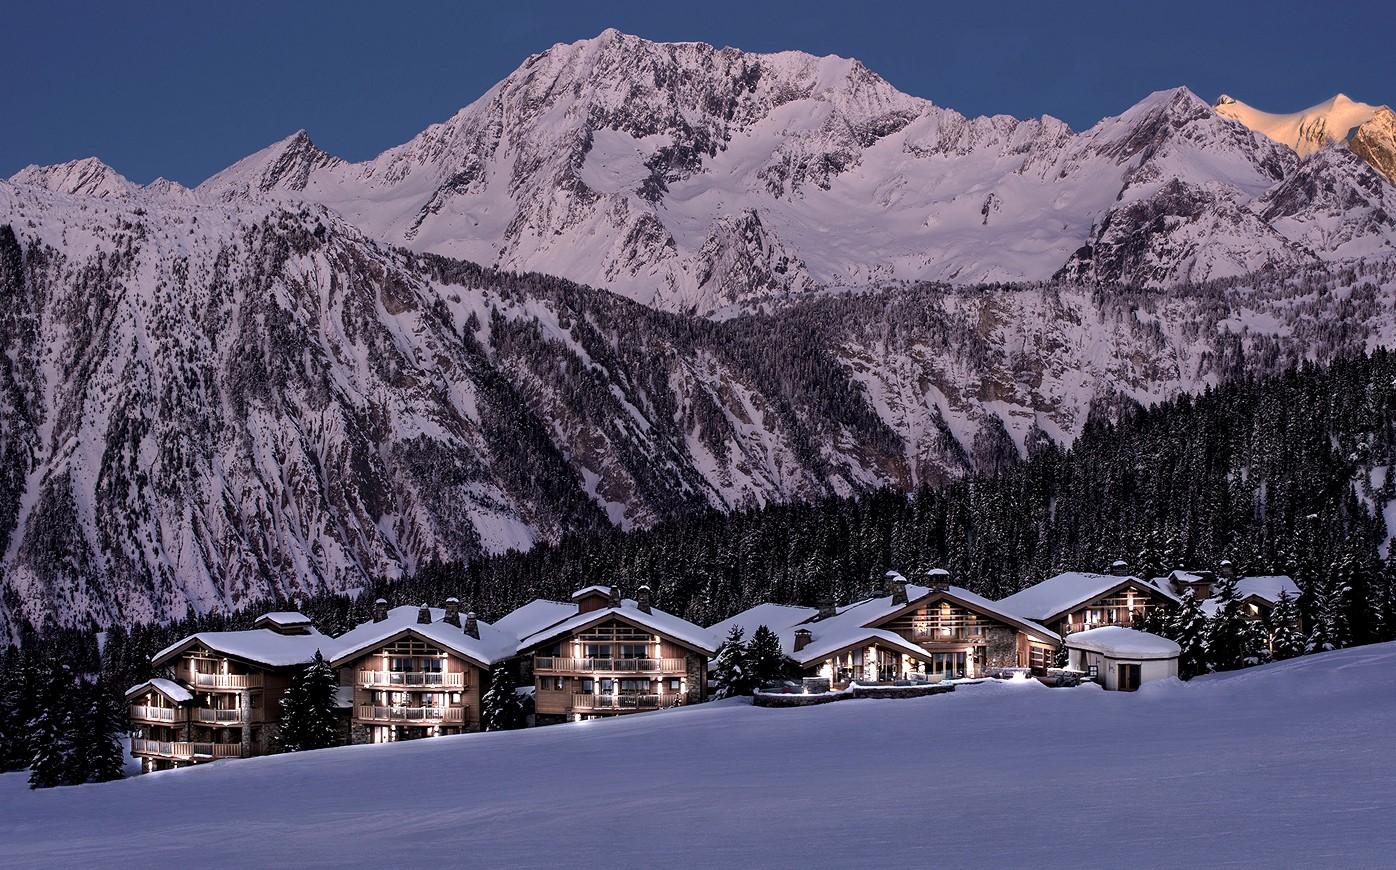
452	611
613	600
896	587
642	598
1119	568
827	609
1226	569
424	615
472	627
938	579
380	610
803	636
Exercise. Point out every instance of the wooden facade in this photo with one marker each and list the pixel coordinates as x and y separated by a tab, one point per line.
612	666
1117	606
410	687
233	712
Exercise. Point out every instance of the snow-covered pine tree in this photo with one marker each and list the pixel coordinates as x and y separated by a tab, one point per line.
53	732
15	712
730	669
1228	631
307	709
501	708
1188	629
101	722
766	661
1285	640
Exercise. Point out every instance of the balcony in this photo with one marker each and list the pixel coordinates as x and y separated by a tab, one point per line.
390	679
181	750
411	715
228	681
142	713
555	664
218	717
618	703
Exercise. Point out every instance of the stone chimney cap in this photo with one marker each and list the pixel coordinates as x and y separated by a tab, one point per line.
381	601
453	600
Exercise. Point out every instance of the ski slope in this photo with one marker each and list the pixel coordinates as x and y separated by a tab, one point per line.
1288	765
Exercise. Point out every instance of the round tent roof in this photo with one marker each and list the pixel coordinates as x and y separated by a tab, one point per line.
1119	642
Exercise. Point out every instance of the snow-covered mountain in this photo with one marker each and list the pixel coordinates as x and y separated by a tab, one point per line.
1370	131
292	377
201	402
691	178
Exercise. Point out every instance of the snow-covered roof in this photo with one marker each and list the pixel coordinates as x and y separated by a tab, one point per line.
1116	641
667	624
1267	588
1057	595
858	622
776	617
534	616
283	618
491	646
591	590
170	689
829	645
261	646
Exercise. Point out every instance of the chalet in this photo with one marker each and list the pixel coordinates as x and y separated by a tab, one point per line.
418	671
1078	601
910	631
1122	659
224	698
607	655
1258	595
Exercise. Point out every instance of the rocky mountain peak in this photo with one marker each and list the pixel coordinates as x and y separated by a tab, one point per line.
86	177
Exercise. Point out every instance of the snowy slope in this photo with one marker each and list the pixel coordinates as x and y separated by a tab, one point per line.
1287	765
690	178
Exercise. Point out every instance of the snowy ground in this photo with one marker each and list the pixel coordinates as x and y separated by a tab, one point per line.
1289	765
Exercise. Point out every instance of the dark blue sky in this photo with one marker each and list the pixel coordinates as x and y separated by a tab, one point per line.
184	89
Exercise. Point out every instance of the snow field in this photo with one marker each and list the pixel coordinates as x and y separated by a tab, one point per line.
1286	765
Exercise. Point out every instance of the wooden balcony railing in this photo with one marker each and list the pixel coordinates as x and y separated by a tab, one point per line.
419	715
223	717
183	750
617	702
228	681
156	714
953	636
411	678
561	664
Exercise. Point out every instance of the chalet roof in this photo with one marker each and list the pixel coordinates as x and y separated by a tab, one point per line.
776	617
490	647
1116	641
829	645
591	590
283	618
1057	595
535	616
261	646
170	689
671	626
1267	588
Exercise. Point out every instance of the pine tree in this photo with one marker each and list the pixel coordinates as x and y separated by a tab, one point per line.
1188	628
766	661
54	734
16	710
501	708
730	671
1228	631
308	708
1285	641
102	722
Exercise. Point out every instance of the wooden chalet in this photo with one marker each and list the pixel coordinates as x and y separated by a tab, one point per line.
1078	601
611	656
224	700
